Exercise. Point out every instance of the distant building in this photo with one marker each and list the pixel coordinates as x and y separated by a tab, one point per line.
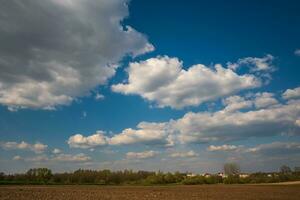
191	175
243	175
223	175
206	175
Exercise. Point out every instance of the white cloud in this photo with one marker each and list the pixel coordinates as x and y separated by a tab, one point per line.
220	125
141	155
164	81
99	96
268	118
72	158
291	93
234	103
40	158
147	133
17	157
284	148
37	147
255	64
265	99
297	52
56	151
80	141
184	154
259	100
52	57
58	157
224	147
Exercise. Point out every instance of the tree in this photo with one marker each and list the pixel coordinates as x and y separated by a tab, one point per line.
2	175
297	169
231	168
284	169
39	174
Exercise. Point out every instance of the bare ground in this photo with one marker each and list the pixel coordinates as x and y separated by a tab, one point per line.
209	192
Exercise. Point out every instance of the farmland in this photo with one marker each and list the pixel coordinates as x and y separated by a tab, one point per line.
210	192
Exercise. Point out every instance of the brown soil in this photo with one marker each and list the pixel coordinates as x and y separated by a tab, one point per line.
210	192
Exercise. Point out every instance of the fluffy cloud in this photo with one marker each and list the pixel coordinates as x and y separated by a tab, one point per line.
80	141
224	147
221	125
255	64
234	103
141	155
146	133
164	81
259	100
265	99
37	147
184	154
291	93
297	52
54	51
256	115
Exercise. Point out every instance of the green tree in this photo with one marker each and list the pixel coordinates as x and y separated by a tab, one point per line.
41	175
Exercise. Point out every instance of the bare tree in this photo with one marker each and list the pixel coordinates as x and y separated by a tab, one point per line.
231	168
285	169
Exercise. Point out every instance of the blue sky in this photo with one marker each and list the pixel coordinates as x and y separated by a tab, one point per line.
164	102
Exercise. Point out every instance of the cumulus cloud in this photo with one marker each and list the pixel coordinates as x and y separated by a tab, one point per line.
146	133
141	155
265	99
225	126
37	147
224	147
255	64
55	51
80	141
234	103
297	52
291	93
259	100
255	115
164	81
184	154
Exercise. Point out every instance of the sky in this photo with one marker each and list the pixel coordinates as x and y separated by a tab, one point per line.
149	85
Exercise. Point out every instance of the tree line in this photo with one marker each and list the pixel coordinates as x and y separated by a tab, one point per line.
129	177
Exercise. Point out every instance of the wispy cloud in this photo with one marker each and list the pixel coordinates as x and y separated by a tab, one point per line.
141	155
